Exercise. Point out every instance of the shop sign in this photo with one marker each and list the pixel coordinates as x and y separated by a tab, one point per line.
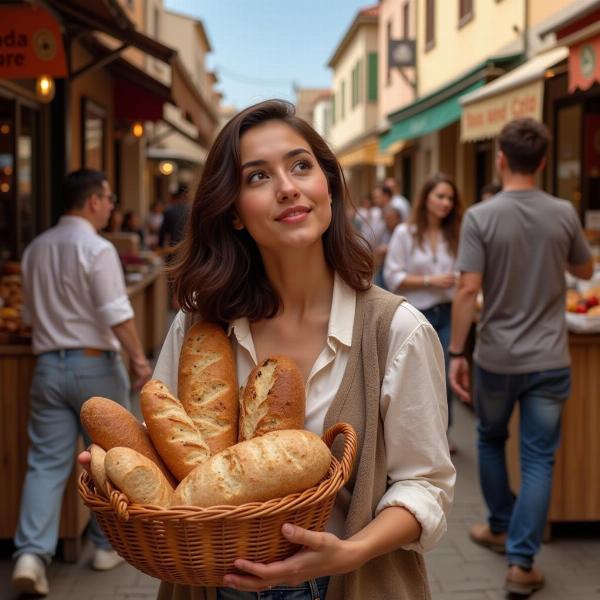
584	64
485	119
30	43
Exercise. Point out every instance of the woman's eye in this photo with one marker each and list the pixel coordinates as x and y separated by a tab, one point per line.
302	165
256	176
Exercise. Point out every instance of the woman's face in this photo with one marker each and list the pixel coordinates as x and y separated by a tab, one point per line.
440	200
284	199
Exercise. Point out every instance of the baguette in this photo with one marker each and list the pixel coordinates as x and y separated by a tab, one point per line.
272	399
109	425
97	470
171	429
137	477
207	385
270	466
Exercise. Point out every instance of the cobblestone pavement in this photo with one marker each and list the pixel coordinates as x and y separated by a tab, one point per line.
458	569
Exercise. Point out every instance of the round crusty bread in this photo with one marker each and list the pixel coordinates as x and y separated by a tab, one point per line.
137	477
207	384
171	429
110	425
272	399
269	466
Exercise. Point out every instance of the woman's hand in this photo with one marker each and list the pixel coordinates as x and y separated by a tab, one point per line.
322	554
444	281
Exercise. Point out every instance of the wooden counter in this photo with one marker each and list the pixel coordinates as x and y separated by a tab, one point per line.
149	300
576	486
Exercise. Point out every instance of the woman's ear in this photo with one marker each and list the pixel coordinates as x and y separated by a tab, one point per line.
237	223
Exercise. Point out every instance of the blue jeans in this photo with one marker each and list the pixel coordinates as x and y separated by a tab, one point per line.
315	589
440	318
62	382
541	396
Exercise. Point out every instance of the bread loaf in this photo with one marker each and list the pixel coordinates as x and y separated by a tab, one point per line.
207	385
97	470
272	399
137	477
109	425
171	429
270	466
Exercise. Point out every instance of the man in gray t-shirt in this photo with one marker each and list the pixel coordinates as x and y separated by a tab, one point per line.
516	248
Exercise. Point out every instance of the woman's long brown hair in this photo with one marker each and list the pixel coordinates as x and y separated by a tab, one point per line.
450	224
218	271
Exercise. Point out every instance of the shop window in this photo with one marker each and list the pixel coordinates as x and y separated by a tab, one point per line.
568	154
465	12
7	181
93	143
429	24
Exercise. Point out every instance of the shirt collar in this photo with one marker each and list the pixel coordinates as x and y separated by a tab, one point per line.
341	319
75	221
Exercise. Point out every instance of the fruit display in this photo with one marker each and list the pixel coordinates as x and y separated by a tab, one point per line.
584	303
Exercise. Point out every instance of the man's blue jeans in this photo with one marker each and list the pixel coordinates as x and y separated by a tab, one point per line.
541	396
62	382
315	589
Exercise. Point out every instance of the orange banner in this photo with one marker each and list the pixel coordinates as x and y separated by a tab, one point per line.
30	43
584	64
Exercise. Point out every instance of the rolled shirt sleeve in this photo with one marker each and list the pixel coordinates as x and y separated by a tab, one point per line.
395	268
108	288
421	475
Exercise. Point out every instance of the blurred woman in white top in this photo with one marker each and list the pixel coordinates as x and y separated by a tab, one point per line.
421	257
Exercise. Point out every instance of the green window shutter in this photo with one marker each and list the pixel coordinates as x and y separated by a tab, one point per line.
354	86
359	68
372	78
333	109
343	101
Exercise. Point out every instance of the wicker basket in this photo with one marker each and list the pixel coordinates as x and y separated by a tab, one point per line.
197	546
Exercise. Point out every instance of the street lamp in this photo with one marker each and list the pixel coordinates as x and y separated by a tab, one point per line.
45	88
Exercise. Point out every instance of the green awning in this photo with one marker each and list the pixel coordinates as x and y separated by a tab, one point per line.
430	119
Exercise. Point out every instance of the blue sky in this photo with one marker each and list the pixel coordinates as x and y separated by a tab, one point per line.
261	47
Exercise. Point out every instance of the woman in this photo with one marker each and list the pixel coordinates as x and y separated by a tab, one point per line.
420	262
270	255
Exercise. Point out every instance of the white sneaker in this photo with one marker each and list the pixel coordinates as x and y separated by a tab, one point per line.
105	560
29	575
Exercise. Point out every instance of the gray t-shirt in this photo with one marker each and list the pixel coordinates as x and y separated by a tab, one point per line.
521	241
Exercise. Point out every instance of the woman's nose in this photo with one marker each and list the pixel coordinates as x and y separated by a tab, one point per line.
286	189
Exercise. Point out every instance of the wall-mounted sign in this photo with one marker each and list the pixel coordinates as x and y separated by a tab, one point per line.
402	53
584	64
485	119
30	43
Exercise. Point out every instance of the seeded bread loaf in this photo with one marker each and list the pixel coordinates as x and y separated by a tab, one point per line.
137	477
272	399
207	385
110	425
269	466
171	429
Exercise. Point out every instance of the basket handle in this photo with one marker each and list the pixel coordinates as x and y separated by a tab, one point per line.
350	444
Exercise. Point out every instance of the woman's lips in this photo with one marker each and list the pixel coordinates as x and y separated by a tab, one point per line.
293	215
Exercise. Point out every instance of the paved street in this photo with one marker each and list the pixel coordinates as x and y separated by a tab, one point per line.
458	569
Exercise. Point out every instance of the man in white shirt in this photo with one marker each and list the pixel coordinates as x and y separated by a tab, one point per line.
76	302
399	202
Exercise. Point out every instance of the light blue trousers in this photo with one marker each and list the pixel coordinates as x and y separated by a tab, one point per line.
62	382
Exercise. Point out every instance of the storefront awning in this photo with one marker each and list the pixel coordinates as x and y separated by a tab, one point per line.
429	120
365	153
519	93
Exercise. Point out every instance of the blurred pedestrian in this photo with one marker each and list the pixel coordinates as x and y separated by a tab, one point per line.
517	246
175	218
81	316
115	221
399	201
392	217
154	221
133	224
421	258
489	191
